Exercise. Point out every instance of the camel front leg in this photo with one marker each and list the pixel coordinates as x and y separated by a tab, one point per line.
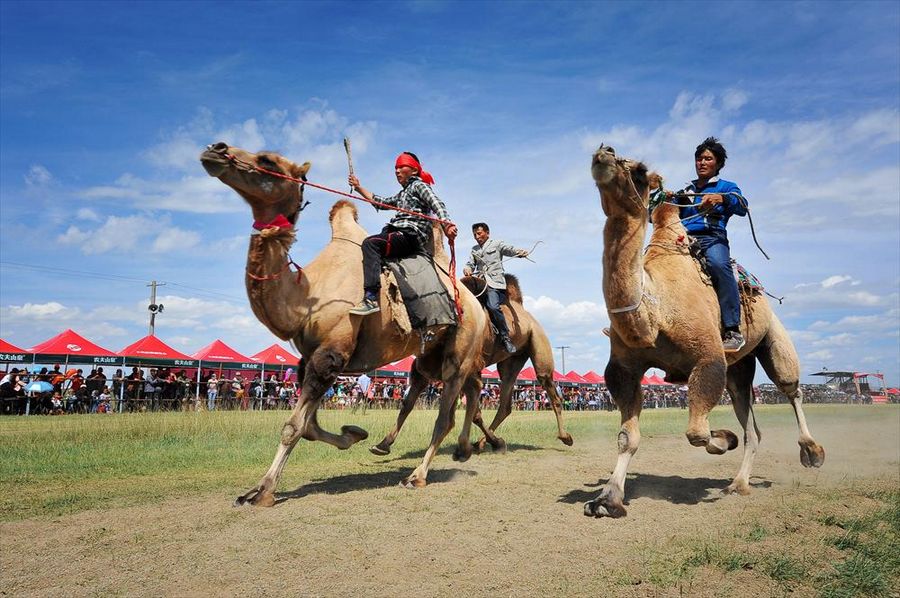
442	426
508	369
321	372
705	387
625	387
740	386
472	391
417	384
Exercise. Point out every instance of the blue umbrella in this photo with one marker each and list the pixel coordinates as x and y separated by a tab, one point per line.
39	386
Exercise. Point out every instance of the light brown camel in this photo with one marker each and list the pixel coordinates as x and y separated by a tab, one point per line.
664	314
311	309
529	336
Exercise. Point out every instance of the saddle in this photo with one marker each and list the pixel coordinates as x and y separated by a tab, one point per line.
413	283
748	284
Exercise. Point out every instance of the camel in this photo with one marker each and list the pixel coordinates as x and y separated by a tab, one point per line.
665	315
310	308
529	336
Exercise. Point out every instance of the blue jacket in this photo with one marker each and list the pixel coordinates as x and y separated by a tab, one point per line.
712	222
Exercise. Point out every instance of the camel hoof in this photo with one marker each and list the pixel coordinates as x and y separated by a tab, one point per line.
499	446
812	455
380	450
741	488
478	447
462	453
596	508
721	441
256	497
567	439
412	484
355	433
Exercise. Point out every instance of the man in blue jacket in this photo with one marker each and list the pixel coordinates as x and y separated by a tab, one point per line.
705	220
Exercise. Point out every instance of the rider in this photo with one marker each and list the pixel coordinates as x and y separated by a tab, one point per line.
705	221
488	255
405	234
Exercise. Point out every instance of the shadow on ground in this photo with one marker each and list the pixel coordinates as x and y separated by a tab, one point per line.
366	481
448	450
674	489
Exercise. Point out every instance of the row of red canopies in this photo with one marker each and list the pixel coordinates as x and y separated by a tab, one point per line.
402	367
70	347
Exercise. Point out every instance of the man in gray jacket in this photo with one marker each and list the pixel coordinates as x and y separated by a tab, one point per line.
487	259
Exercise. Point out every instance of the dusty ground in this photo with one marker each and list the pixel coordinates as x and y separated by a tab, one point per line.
497	525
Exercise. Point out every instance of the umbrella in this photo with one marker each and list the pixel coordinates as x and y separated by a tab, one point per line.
39	386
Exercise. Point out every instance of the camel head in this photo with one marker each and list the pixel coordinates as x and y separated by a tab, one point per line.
622	182
269	196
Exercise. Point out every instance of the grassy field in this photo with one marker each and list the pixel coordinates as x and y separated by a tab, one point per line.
833	532
71	463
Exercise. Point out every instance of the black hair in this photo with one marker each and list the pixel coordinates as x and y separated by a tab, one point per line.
414	156
718	150
483	225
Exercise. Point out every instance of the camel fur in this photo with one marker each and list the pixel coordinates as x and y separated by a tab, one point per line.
665	315
312	310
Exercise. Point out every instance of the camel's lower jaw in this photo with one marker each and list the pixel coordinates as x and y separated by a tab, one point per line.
213	163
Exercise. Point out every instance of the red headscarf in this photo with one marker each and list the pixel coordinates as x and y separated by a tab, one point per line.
405	159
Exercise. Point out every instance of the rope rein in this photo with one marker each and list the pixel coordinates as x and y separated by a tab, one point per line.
452	269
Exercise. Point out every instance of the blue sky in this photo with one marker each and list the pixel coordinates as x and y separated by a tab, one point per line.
104	108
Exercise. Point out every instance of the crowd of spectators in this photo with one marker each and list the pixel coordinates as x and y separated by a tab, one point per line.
168	389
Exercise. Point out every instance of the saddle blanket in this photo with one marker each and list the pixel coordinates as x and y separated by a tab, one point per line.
426	298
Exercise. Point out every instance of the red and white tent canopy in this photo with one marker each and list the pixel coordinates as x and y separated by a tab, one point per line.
151	349
73	348
221	355
275	356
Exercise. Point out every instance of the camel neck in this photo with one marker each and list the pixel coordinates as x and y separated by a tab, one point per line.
623	261
274	289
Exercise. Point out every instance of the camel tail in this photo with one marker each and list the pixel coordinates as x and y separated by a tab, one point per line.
513	291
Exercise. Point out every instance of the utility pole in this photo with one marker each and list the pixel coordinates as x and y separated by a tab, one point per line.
154	307
563	350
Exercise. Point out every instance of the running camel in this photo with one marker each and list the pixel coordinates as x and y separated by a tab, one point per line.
664	315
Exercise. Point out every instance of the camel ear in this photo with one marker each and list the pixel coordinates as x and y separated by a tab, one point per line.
300	170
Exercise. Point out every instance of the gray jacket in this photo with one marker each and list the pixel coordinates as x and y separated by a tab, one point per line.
488	259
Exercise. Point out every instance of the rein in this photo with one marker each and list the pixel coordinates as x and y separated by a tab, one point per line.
248	167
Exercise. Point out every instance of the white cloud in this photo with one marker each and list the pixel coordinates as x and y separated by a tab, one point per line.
834	280
130	233
38	176
87	214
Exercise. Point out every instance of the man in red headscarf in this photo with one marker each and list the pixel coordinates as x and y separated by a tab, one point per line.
405	234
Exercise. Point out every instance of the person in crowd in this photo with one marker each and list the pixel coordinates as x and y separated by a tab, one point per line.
705	221
212	391
487	259
406	233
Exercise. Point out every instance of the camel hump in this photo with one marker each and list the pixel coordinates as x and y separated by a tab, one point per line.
343	204
513	290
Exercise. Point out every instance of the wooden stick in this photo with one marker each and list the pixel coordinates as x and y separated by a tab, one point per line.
349	157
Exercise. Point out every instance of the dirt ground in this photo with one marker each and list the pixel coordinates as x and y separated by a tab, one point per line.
506	525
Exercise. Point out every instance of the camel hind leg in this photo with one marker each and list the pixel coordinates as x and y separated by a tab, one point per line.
739	383
417	384
320	373
472	391
625	387
542	358
778	358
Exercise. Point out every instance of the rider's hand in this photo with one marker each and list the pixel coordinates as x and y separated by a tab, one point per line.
521	253
450	230
353	181
711	200
467	272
